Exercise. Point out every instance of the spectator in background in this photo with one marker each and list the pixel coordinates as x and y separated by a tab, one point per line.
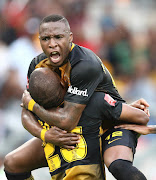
151	50
122	54
24	48
15	40
7	33
141	85
115	43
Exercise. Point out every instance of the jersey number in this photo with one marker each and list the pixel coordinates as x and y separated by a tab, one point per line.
69	155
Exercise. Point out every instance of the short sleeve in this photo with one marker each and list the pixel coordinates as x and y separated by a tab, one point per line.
85	77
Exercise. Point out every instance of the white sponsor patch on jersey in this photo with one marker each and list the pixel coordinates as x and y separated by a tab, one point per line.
75	90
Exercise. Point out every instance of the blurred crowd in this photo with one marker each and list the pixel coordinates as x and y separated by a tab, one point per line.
121	32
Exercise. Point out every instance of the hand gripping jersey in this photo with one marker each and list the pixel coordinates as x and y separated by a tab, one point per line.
85	75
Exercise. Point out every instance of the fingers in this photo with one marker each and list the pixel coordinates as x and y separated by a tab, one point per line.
68	147
143	105
144	102
59	130
72	136
147	112
71	140
62	138
65	133
128	126
140	106
120	126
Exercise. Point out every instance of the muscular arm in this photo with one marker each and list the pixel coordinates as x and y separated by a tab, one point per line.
54	135
65	118
133	115
30	123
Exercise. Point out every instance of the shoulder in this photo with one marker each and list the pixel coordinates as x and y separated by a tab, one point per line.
84	62
86	68
80	53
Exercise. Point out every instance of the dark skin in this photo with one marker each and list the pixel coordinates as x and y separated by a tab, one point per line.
54	135
124	152
68	117
57	117
55	38
26	158
22	159
128	114
141	129
65	118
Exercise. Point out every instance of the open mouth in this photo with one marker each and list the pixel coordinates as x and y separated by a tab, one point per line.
55	57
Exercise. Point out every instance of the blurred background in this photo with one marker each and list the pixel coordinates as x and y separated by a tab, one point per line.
121	32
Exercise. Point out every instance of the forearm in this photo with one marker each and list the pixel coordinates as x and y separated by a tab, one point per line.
30	123
65	118
133	115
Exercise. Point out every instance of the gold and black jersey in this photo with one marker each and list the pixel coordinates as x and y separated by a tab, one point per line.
87	79
84	72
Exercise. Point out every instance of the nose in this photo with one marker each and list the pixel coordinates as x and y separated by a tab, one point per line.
52	43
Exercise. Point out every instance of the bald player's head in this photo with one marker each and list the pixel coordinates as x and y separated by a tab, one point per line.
45	88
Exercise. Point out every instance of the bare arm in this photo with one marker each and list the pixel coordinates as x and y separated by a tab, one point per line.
30	123
144	130
65	118
54	135
133	115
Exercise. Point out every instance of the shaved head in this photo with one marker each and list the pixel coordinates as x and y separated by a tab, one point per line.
45	88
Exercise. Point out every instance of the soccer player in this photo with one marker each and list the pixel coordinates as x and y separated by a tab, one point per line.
85	74
31	156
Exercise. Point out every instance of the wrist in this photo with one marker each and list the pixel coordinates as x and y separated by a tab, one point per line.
31	105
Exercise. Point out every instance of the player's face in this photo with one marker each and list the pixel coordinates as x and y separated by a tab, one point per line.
55	39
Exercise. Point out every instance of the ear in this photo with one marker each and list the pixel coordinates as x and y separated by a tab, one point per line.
71	37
